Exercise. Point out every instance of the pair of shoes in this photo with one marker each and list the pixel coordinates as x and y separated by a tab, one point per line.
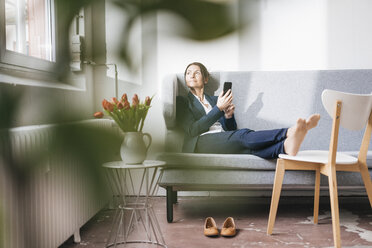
228	228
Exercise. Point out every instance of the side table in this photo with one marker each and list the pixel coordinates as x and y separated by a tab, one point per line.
135	221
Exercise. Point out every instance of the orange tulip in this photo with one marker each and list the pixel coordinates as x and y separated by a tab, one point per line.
148	101
114	101
135	100
124	98
120	105
110	106
128	115
104	104
98	114
126	105
107	105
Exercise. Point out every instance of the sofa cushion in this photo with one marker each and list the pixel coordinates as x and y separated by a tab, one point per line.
217	161
220	179
227	161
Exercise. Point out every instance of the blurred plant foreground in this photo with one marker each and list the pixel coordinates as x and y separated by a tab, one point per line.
86	146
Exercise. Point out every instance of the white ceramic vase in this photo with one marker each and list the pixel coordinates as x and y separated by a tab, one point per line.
133	150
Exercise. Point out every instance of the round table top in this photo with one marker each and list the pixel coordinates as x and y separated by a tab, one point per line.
123	165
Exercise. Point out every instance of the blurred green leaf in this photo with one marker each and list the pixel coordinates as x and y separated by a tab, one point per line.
9	102
207	19
90	146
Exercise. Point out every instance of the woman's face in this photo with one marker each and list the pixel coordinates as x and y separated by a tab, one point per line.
194	77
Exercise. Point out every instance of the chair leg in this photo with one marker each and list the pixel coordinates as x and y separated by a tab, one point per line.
316	196
367	180
332	180
277	187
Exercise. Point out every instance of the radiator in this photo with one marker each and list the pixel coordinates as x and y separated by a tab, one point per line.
53	202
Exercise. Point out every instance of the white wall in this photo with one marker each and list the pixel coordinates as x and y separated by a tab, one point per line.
280	35
114	26
349	36
293	35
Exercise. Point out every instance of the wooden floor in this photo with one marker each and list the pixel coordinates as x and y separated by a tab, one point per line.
293	228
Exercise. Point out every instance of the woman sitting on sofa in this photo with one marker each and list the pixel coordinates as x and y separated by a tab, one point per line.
209	124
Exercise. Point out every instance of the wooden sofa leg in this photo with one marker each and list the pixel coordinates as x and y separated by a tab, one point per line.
170	200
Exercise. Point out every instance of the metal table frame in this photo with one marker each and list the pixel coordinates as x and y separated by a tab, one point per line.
141	211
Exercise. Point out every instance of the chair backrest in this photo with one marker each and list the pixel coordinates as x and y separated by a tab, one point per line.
355	109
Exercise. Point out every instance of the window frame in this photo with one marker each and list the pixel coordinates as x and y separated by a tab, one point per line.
21	63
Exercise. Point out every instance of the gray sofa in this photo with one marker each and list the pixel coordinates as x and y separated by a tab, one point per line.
263	100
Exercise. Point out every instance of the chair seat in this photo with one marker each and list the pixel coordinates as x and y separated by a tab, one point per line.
316	156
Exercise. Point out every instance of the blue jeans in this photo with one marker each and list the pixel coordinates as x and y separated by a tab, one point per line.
265	144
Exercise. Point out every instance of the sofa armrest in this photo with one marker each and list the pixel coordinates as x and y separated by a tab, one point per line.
168	98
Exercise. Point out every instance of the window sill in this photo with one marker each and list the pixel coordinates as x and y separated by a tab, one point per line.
9	76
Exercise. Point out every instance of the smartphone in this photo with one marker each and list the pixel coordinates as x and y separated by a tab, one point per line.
226	86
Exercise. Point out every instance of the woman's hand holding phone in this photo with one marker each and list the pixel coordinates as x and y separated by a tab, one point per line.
224	100
229	111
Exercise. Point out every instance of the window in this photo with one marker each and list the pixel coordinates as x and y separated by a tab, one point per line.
28	34
28	25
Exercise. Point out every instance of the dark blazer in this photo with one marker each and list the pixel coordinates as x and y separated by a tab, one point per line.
194	121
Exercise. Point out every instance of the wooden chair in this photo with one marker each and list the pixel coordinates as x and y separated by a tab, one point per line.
353	112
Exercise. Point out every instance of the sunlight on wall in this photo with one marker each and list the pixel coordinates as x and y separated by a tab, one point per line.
280	35
293	35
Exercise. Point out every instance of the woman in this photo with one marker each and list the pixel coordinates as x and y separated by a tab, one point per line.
210	127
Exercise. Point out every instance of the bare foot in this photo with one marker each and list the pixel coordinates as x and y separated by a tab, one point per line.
295	135
312	121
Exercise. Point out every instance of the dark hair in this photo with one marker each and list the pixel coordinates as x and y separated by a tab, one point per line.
203	70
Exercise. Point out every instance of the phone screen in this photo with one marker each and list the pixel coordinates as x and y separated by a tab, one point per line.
226	87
